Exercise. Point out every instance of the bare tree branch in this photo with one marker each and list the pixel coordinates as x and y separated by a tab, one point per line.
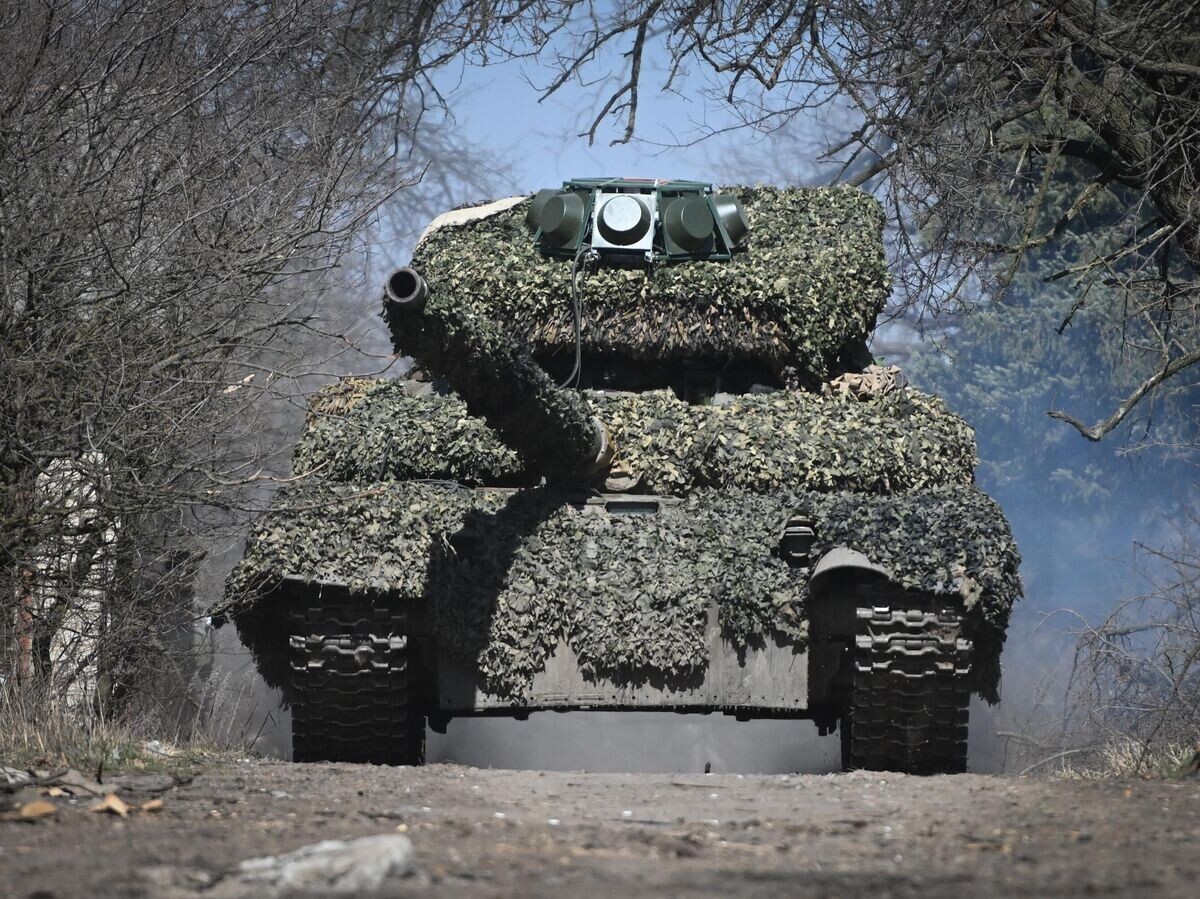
1102	428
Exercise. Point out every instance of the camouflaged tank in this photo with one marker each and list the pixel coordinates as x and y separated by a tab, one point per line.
618	481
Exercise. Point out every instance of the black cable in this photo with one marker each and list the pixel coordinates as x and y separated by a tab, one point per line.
577	317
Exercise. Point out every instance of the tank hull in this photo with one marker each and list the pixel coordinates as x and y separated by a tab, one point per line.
887	667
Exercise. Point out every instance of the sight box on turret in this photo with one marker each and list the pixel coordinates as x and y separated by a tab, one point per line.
637	218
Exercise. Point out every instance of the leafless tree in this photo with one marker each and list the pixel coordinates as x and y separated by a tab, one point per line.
1137	675
967	114
173	176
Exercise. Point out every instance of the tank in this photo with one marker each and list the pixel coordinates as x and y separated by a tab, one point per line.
642	460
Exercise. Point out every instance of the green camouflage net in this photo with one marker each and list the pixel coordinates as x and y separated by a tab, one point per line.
903	440
384	433
399	501
629	593
339	397
501	384
814	278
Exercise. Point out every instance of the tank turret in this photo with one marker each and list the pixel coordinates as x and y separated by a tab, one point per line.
550	426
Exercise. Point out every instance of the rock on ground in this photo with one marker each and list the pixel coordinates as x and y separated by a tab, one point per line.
331	867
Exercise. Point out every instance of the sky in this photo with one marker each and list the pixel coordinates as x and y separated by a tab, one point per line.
499	107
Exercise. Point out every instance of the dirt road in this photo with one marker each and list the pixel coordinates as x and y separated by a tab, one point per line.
486	833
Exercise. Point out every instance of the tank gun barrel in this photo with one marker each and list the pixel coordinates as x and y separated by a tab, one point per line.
407	289
550	427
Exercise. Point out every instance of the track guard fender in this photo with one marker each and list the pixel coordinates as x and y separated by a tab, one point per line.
841	560
832	615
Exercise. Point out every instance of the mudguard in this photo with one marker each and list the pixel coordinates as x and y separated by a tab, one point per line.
841	558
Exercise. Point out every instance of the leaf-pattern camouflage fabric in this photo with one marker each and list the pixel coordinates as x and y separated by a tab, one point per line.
406	494
813	278
902	440
628	592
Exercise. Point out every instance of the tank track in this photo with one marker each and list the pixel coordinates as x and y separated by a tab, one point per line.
350	685
908	706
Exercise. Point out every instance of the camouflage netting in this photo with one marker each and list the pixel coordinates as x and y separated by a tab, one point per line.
369	431
534	567
901	441
814	279
375	430
890	475
549	427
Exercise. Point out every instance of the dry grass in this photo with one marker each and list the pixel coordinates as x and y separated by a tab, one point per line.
1121	758
40	731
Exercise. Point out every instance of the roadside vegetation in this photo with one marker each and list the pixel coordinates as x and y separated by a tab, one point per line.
40	732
